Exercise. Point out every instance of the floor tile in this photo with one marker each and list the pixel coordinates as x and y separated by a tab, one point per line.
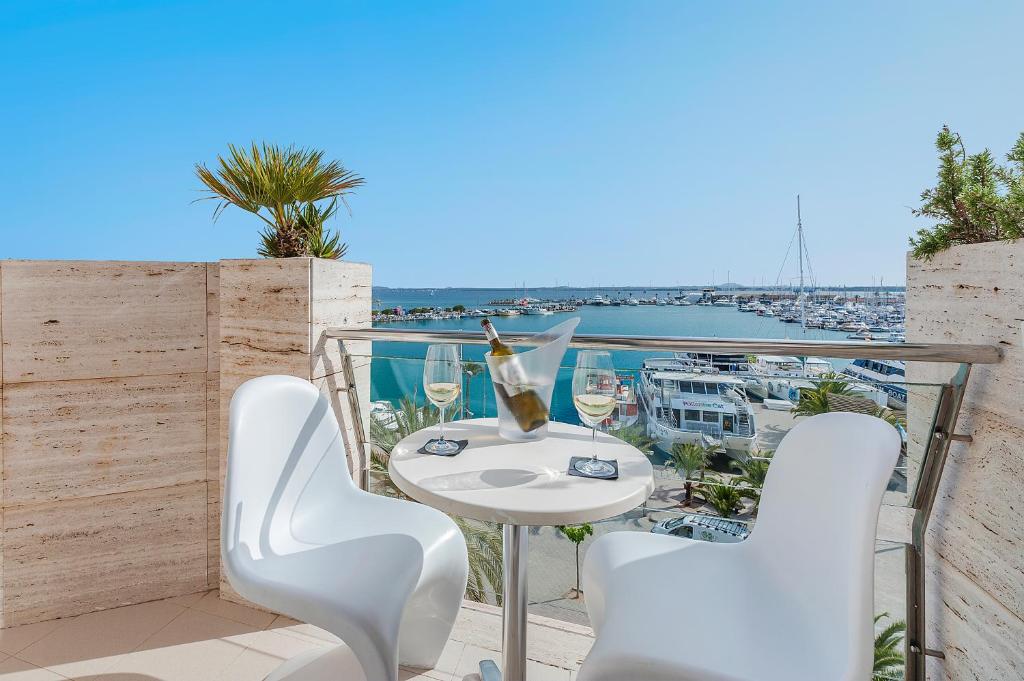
468	668
89	644
446	664
286	625
13	669
187	600
213	604
16	639
251	665
195	646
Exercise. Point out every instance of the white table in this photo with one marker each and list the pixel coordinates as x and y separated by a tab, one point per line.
519	484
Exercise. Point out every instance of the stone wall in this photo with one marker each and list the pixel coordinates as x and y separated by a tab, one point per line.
975	605
104	393
111	384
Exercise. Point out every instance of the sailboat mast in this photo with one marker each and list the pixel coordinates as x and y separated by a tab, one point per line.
800	234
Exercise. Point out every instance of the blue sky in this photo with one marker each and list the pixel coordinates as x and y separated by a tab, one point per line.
578	142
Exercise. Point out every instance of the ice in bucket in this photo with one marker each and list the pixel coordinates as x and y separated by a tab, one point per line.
526	380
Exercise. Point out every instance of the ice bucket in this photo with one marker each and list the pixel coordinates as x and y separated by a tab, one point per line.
524	382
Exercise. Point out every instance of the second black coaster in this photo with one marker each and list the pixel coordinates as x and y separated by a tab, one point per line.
459	446
611	475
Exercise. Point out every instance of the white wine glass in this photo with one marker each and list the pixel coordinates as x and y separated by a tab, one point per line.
593	393
442	382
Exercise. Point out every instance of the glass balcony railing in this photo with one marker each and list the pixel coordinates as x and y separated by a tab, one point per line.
672	398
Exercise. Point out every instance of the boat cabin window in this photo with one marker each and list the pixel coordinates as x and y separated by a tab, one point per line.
710	417
691	415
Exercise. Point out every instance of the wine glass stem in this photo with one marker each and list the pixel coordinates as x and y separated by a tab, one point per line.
440	424
593	443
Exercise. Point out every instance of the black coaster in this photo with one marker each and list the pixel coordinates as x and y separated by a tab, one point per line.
461	443
580	474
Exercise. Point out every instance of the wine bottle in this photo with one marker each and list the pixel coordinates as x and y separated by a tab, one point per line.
512	387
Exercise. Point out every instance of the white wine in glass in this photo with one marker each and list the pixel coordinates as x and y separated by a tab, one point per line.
442	382
593	393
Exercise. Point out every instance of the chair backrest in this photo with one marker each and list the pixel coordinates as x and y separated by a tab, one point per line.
284	445
815	531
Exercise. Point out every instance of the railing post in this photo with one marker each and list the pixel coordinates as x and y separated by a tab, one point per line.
356	417
923	501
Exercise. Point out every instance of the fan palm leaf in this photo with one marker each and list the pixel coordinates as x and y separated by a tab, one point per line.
281	186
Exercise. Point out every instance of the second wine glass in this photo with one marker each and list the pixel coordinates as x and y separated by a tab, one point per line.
442	382
593	393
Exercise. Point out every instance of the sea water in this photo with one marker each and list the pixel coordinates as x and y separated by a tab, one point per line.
397	369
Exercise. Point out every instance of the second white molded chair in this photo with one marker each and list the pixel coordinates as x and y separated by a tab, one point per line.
791	603
298	537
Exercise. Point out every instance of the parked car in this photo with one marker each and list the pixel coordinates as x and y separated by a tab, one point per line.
703	528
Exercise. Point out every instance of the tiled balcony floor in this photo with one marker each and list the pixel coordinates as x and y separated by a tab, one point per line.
203	638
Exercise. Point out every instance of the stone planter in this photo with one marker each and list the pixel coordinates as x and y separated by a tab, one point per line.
273	314
975	294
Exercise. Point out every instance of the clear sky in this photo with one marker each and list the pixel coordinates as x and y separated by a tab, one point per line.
578	142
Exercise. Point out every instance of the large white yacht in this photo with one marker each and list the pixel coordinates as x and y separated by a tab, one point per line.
684	401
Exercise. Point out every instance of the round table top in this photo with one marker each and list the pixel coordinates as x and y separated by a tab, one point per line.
520	483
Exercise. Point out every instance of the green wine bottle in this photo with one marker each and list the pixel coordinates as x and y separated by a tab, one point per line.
521	400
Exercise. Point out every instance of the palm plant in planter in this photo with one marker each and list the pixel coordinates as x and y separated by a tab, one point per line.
293	191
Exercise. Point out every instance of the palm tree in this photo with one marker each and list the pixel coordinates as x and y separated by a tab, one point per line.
889	660
293	191
483	540
471	369
815	400
722	494
637	436
753	472
577	534
689	459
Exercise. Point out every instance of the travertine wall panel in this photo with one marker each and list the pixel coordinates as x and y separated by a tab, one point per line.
972	294
103	406
980	637
66	320
75	556
82	438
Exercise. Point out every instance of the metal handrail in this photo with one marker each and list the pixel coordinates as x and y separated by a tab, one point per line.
919	352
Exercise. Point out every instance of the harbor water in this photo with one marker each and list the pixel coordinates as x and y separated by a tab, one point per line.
397	367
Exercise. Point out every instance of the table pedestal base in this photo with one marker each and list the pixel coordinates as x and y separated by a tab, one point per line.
513	624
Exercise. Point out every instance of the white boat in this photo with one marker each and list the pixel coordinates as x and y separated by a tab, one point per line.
626	412
383	412
886	374
683	402
534	309
724	302
772	375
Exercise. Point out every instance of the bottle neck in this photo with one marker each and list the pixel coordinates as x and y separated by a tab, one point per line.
491	334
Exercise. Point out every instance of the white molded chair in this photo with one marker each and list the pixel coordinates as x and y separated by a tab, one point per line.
791	603
298	537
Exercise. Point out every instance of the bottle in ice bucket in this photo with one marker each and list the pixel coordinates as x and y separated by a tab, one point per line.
519	397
